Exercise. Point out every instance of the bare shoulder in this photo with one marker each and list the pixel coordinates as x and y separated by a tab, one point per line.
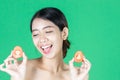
32	62
31	68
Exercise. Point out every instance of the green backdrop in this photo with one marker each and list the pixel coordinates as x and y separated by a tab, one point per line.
94	28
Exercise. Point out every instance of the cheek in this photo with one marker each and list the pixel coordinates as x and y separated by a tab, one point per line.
57	40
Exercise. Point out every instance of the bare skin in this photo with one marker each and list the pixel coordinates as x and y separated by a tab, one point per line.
48	39
39	69
42	71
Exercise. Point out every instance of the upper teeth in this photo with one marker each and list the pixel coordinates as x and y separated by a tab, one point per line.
44	47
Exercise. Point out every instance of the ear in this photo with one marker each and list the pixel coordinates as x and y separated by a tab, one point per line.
65	33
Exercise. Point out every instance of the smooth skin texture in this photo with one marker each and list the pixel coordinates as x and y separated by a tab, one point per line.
48	39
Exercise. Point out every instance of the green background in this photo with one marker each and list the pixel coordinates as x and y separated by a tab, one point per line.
94	28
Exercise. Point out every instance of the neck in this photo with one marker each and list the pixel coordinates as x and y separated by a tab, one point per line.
53	65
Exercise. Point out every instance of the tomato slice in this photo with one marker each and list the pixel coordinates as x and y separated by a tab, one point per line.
78	57
17	52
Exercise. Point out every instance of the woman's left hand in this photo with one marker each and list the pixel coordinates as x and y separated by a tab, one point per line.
80	73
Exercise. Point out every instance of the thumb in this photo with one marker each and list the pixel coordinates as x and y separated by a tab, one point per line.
73	70
24	58
71	65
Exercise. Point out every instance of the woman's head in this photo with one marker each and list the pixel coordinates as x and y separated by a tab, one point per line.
55	16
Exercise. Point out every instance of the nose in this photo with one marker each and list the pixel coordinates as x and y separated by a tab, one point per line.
42	39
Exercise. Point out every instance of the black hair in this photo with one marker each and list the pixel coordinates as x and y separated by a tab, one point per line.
57	17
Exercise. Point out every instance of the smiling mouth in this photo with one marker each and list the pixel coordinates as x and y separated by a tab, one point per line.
46	49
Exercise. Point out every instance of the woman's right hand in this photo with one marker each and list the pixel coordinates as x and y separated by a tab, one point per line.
13	68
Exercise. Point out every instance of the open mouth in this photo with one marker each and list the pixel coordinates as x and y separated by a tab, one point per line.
46	49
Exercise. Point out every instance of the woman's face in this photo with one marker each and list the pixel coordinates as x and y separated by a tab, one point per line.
47	37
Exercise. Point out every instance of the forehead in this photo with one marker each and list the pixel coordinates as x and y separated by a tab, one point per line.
40	24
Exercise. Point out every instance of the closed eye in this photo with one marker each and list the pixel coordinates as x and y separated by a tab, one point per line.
49	31
34	35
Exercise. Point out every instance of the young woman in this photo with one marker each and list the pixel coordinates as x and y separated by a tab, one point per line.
49	30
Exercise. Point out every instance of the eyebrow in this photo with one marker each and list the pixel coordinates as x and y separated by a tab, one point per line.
43	28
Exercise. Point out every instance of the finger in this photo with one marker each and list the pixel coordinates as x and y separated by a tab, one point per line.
86	61
13	61
2	67
83	65
71	63
6	60
9	61
73	70
82	68
86	65
24	58
10	54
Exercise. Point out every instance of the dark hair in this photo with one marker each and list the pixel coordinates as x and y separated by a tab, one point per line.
57	17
